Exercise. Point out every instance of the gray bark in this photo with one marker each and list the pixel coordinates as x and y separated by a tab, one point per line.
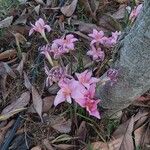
133	65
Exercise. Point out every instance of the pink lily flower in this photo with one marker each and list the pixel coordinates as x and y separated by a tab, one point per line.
89	102
57	50
97	36
68	89
135	12
67	43
112	74
111	41
85	78
97	54
46	51
40	27
54	75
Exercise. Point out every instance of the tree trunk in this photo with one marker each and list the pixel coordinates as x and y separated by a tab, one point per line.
133	65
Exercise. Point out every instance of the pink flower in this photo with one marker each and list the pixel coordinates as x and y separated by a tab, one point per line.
54	75
85	78
63	45
97	37
112	74
66	43
111	41
135	12
57	50
46	51
97	54
89	102
68	89
40	27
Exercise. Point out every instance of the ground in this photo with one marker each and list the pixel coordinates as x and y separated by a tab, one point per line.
29	119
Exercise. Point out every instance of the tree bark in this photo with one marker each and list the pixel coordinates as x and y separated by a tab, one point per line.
133	65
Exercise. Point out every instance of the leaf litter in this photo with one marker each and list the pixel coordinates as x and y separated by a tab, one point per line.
60	127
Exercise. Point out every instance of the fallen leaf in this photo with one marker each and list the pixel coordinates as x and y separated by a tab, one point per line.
88	8
82	131
138	135
47	144
37	9
40	2
37	102
122	1
69	10
47	104
88	27
20	38
99	146
22	19
120	14
4	130
6	22
109	23
62	125
145	139
64	146
122	138
16	106
5	69
21	64
27	82
22	1
8	54
36	148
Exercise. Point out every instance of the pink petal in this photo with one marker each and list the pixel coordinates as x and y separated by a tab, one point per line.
69	36
68	99
41	21
81	102
48	28
59	98
95	114
31	31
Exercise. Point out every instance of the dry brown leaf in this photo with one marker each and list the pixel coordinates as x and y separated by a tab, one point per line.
20	38
48	103
62	125
36	148
122	138
27	82
4	130
21	64
69	10
122	1
88	8
40	2
138	135
47	144
120	14
5	69
109	23
88	27
37	9
15	106
8	54
22	18
99	146
82	131
37	102
145	139
6	22
64	146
